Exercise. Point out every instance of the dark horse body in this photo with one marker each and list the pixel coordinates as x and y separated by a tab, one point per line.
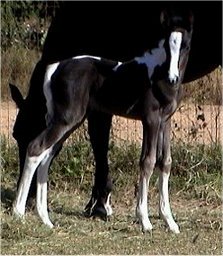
99	121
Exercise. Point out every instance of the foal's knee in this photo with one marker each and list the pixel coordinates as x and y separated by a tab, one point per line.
147	164
165	164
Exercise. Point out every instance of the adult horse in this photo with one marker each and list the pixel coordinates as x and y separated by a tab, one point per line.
31	120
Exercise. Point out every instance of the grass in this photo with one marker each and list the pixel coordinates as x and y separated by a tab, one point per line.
19	64
195	193
74	234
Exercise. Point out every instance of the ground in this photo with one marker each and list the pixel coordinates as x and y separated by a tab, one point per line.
200	225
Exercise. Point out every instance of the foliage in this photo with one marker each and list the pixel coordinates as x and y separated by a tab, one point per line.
24	23
17	66
196	170
206	90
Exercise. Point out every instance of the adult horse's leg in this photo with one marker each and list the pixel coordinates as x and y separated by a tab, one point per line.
165	161
98	128
147	164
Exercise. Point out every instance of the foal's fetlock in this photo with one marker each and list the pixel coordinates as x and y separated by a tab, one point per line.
19	213
48	223
144	222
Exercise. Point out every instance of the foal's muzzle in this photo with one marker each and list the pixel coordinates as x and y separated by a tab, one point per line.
173	80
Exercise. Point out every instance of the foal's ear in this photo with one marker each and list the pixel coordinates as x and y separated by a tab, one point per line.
191	18
164	18
16	95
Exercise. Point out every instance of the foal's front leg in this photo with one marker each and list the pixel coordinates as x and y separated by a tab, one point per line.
165	167
147	164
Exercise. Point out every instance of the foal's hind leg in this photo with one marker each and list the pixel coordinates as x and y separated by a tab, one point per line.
99	127
42	177
38	152
165	167
31	163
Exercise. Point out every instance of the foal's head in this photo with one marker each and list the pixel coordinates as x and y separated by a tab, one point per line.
177	26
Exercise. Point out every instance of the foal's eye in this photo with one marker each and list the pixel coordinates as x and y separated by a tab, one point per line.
185	46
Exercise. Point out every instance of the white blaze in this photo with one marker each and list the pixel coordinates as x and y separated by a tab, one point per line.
175	44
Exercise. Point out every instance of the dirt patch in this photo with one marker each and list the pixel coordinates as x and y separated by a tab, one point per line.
191	123
8	115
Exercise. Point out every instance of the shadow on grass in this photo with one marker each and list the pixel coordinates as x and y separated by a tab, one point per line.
7	197
75	213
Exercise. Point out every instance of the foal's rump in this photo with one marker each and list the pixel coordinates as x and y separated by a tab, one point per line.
71	85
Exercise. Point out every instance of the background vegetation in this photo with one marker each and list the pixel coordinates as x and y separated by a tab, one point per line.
195	192
195	184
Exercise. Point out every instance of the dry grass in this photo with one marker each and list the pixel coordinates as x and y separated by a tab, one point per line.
74	234
17	67
195	199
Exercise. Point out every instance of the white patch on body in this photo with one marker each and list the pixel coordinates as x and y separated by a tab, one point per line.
86	56
117	66
156	58
175	44
164	204
96	58
31	163
47	90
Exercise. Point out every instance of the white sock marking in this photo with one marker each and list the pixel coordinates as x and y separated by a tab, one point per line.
108	206
142	209
31	163
42	176
164	204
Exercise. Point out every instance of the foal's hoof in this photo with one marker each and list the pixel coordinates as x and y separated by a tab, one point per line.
174	228
18	211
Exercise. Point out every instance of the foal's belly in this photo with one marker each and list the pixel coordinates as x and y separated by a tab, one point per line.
132	110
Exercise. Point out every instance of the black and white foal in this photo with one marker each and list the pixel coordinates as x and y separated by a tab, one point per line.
147	88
